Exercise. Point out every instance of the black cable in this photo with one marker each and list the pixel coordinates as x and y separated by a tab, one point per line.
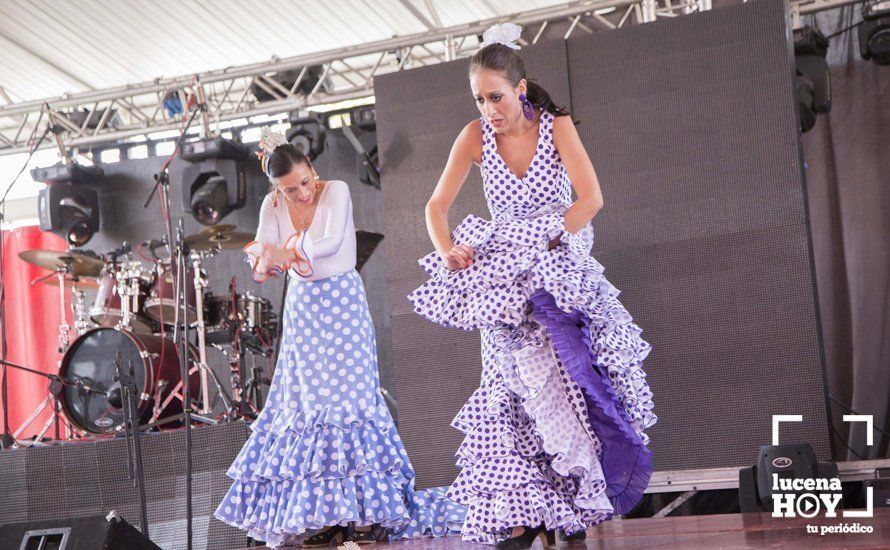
837	434
848	409
845	29
25	165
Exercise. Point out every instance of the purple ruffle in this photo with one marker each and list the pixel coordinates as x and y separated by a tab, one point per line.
626	461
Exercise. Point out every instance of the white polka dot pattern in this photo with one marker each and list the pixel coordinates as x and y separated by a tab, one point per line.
325	451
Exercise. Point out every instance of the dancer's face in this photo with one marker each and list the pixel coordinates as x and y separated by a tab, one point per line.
497	98
299	185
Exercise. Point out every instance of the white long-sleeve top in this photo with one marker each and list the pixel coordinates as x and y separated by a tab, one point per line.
330	240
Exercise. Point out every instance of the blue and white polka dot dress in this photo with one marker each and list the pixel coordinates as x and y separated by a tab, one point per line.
555	432
325	451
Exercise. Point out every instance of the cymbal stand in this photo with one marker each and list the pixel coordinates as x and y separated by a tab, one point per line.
204	370
200	282
64	327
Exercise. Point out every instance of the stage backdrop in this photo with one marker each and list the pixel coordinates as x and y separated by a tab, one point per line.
692	128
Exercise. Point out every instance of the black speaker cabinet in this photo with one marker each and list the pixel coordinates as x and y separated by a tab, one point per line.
87	533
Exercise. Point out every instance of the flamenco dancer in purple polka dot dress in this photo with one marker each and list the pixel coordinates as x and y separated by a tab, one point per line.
324	463
555	434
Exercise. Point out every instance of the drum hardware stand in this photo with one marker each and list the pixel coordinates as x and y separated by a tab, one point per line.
252	390
200	285
127	380
241	407
82	321
64	327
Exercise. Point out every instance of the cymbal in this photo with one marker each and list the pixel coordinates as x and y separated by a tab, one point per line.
81	265
219	237
82	282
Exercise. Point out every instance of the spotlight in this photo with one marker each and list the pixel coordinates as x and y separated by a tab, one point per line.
287	79
365	118
214	184
70	211
307	133
874	32
67	207
785	462
813	81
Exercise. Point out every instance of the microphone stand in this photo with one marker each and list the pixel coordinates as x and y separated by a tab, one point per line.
183	341
127	380
56	385
180	338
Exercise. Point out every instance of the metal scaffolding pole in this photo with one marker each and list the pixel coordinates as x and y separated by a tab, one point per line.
118	113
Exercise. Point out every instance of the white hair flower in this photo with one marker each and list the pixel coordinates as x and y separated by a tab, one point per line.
502	33
269	140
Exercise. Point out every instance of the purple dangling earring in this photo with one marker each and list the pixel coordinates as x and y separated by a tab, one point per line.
528	110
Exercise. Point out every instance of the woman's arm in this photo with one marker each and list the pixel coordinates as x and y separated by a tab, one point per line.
580	172
467	148
267	228
270	253
338	203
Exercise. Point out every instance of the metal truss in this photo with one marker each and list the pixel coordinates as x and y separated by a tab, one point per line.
115	114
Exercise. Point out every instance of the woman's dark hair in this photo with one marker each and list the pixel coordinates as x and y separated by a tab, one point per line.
282	161
497	57
284	158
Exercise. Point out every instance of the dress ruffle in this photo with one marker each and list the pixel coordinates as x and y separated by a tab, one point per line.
304	471
523	436
511	263
626	461
433	514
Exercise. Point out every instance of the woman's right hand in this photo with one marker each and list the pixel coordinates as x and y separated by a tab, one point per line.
459	257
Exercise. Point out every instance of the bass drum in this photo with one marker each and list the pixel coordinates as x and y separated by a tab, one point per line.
92	399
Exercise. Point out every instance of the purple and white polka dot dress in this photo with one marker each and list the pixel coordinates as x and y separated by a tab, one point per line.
325	451
555	433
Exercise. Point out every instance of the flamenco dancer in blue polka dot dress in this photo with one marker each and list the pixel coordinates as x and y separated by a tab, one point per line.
555	433
324	454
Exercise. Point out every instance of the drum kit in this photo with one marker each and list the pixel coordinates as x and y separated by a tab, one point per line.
132	318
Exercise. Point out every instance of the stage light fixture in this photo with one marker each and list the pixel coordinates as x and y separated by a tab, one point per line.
286	80
813	80
66	206
70	211
307	133
874	32
792	461
214	184
365	118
